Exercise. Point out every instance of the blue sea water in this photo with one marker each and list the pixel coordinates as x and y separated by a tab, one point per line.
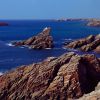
11	57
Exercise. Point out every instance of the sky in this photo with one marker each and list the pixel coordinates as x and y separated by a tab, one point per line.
49	9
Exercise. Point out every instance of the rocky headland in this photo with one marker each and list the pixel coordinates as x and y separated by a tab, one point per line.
41	41
69	76
90	43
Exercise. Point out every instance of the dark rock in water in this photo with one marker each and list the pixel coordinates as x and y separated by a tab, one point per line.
68	76
86	44
3	24
41	41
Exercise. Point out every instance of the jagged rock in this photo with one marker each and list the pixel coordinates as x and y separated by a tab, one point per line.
68	76
41	41
86	44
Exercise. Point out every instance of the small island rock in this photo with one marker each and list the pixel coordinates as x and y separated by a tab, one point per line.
41	41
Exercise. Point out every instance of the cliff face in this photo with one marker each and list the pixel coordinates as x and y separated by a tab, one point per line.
41	41
68	76
90	43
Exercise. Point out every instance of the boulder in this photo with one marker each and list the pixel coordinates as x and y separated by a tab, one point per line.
86	44
41	41
69	76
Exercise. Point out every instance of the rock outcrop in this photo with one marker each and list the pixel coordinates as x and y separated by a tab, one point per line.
41	41
90	43
68	76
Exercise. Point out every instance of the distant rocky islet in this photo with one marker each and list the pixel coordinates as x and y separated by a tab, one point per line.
3	24
90	43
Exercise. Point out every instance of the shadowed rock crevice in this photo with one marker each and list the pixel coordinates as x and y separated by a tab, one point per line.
93	71
88	80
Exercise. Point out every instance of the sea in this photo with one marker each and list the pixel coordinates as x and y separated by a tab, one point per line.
62	31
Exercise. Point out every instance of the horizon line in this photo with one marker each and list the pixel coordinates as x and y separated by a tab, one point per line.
49	18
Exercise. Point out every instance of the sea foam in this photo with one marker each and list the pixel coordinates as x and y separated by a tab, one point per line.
10	44
1	73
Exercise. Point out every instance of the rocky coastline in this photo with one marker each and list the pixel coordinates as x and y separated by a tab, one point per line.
69	76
